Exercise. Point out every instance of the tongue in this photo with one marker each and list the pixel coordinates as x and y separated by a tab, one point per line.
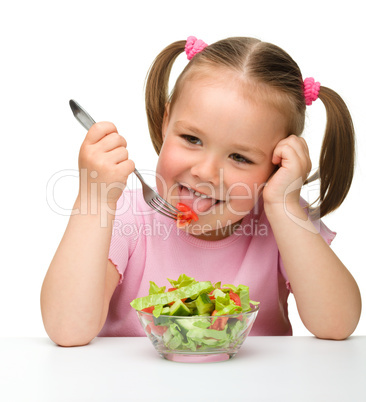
196	204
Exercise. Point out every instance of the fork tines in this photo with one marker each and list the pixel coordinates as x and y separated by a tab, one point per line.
164	207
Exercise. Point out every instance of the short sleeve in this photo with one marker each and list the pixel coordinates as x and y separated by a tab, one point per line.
324	232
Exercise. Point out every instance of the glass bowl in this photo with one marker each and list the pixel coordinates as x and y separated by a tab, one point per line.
198	339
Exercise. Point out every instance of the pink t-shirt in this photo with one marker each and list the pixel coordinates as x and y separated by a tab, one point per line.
147	246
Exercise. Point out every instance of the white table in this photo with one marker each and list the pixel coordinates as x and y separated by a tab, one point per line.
129	369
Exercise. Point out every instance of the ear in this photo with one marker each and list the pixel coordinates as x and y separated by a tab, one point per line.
165	120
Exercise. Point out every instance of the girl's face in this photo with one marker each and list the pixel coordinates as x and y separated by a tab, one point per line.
217	152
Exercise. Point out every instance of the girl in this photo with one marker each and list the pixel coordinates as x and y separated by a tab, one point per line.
229	145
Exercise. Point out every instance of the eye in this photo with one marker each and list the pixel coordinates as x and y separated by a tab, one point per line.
239	158
192	139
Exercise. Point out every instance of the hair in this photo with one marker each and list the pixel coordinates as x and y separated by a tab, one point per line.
274	77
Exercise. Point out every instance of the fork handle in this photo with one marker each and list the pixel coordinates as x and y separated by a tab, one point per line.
137	173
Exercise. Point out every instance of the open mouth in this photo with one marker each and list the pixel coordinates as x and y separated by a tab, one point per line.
197	201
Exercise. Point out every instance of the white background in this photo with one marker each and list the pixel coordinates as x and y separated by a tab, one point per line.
98	52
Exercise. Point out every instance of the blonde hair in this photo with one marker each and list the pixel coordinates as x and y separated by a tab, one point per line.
276	78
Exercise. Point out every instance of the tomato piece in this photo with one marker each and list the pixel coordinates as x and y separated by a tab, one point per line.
182	223
194	216
219	323
183	207
148	310
186	217
157	329
211	296
235	298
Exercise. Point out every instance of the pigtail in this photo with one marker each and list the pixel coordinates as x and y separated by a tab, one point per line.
337	157
157	90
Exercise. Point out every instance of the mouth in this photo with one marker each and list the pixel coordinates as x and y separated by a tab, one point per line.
197	201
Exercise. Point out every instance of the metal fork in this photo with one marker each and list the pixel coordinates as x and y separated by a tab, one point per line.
151	197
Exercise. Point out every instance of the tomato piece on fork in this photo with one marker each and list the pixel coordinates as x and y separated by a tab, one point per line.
187	215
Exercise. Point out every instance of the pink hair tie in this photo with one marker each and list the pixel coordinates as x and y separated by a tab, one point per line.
194	46
311	90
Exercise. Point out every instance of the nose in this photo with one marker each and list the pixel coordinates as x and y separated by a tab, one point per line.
207	170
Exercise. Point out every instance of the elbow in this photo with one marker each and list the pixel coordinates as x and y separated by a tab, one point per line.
336	332
339	326
334	336
65	343
67	335
68	342
69	332
69	339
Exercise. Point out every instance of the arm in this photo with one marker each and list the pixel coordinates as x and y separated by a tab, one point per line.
326	294
80	280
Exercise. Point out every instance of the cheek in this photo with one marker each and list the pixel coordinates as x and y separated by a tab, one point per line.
165	161
173	159
246	190
244	185
166	169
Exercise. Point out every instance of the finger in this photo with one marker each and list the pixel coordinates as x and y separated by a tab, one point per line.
111	141
282	153
127	167
301	148
286	156
285	147
117	155
299	144
98	131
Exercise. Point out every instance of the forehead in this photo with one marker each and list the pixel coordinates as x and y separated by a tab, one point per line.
223	108
247	87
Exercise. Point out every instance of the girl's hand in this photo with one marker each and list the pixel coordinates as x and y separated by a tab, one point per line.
103	163
292	156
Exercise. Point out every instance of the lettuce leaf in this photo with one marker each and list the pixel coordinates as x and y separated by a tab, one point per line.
175	337
243	292
229	309
237	327
218	293
154	288
206	337
199	333
224	305
157	310
182	281
193	291
190	344
202	324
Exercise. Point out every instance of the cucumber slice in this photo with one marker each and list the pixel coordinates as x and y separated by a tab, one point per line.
179	309
204	304
191	304
185	325
165	311
162	319
188	324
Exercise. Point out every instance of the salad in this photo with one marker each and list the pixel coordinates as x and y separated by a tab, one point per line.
194	315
